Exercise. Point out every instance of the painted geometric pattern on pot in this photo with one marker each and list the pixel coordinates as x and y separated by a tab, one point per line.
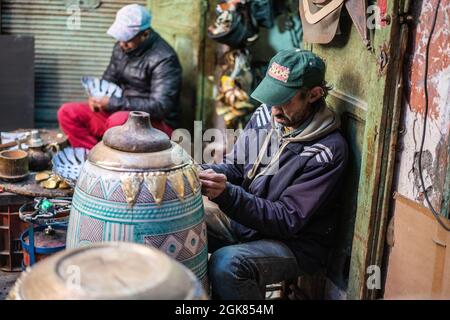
186	211
205	284
81	182
119	232
203	232
180	245
144	195
170	193
198	264
109	186
117	195
73	229
110	189
91	229
96	190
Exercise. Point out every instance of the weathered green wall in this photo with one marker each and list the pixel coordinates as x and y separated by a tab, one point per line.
274	40
181	23
366	95
348	73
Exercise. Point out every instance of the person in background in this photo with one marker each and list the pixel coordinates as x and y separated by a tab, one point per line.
273	220
147	69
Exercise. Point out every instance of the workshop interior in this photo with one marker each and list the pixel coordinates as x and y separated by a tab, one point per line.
224	149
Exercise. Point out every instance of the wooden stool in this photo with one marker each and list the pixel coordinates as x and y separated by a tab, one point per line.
305	287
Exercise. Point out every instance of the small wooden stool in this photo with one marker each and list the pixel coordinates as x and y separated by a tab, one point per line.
305	287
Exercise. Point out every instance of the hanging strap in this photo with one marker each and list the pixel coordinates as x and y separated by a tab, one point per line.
248	178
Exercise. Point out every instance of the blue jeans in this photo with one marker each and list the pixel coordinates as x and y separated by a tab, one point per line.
242	270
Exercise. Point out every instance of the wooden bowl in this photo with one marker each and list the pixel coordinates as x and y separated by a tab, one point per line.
13	165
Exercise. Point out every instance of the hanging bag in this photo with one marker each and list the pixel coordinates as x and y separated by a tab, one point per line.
320	19
241	28
263	13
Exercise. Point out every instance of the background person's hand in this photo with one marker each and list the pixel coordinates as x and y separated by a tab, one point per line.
213	184
103	103
98	104
92	102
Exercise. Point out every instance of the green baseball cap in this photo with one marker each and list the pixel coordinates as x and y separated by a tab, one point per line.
289	70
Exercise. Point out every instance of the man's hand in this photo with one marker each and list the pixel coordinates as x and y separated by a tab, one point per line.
93	104
213	184
98	104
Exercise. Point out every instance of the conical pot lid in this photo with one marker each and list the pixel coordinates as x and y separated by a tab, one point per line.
137	146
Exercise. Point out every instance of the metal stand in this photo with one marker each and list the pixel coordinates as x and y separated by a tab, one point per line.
49	212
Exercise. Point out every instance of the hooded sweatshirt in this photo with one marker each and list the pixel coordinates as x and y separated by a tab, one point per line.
286	189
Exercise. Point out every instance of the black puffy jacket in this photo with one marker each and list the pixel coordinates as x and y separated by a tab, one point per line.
150	77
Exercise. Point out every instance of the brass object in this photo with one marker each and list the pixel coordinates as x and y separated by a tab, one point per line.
136	136
177	182
13	165
41	176
131	185
48	180
64	185
40	155
51	183
192	178
156	184
143	154
110	159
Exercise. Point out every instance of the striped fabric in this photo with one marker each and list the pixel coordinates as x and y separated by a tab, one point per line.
322	153
262	116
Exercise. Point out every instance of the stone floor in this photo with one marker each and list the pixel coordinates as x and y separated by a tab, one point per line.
7	280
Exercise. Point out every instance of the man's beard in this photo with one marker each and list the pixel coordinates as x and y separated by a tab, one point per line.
128	51
283	120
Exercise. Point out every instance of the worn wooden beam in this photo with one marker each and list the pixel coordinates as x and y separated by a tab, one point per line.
394	101
368	243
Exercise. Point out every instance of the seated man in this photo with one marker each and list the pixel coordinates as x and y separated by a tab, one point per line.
276	221
149	73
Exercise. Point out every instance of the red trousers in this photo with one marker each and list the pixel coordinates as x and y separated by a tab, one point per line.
84	128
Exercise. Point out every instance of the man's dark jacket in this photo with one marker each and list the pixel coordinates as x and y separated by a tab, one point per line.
296	203
150	77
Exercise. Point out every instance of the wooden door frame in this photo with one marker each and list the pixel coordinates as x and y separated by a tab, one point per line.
380	140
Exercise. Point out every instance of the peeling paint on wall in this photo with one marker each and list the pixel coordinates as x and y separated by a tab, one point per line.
439	61
435	159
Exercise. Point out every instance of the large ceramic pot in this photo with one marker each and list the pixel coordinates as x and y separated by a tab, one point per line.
113	270
138	186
